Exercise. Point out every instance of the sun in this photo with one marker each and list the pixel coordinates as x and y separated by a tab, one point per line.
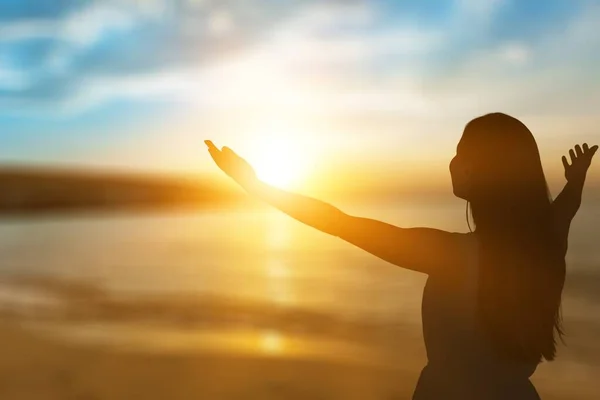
280	158
278	163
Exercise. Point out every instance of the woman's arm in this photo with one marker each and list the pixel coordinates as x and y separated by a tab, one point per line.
309	211
421	249
567	203
564	208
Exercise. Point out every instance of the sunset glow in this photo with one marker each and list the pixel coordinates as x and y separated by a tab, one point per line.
279	156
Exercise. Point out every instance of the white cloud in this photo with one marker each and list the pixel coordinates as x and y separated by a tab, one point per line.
513	76
304	38
362	48
327	14
197	3
220	23
499	61
257	82
481	10
83	27
87	26
16	31
168	85
515	53
153	8
472	19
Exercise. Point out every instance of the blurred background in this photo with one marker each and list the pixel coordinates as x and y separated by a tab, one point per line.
131	267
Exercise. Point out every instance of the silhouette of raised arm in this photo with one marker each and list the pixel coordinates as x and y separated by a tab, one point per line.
420	249
567	203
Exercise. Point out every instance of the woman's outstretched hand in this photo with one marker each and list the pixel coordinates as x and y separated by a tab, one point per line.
581	160
233	165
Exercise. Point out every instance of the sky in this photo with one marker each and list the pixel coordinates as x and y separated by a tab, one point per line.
357	84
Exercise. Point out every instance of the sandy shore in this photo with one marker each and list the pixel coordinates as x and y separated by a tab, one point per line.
35	366
88	344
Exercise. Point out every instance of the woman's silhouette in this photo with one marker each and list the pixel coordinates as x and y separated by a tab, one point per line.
491	305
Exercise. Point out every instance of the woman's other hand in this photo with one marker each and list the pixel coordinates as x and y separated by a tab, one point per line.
581	159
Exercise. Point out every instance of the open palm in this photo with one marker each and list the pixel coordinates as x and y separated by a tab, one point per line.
581	159
231	163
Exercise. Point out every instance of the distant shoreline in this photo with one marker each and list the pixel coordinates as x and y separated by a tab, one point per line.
40	191
37	191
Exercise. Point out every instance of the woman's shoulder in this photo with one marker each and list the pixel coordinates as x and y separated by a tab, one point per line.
465	257
466	243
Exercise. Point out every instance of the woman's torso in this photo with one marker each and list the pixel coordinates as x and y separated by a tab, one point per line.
461	362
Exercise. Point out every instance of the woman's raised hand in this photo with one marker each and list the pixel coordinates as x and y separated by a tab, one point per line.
581	159
233	165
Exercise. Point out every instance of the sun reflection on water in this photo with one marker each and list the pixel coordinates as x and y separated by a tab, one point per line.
279	284
272	343
277	270
279	280
278	235
265	343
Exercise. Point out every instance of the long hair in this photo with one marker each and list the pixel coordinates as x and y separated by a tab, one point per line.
522	269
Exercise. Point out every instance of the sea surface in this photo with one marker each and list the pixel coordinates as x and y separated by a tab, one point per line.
260	255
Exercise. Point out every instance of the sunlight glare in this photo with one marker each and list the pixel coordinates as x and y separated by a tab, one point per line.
279	281
277	270
279	156
272	342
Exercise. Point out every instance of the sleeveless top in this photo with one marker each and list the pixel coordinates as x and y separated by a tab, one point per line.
461	362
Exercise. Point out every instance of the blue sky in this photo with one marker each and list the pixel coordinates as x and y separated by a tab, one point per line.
140	83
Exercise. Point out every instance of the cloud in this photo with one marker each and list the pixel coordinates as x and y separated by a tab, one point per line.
314	56
81	27
86	27
113	38
327	14
515	53
479	11
220	23
22	30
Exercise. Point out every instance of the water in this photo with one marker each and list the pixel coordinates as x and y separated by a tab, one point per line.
257	254
261	255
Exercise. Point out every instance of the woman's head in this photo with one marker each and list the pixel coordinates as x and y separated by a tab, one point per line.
496	157
498	170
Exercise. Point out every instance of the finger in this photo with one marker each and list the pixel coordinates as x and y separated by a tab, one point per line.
227	150
214	153
572	154
593	150
586	148
578	150
230	152
210	144
565	162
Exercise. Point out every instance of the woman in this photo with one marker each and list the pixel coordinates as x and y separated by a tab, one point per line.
491	305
